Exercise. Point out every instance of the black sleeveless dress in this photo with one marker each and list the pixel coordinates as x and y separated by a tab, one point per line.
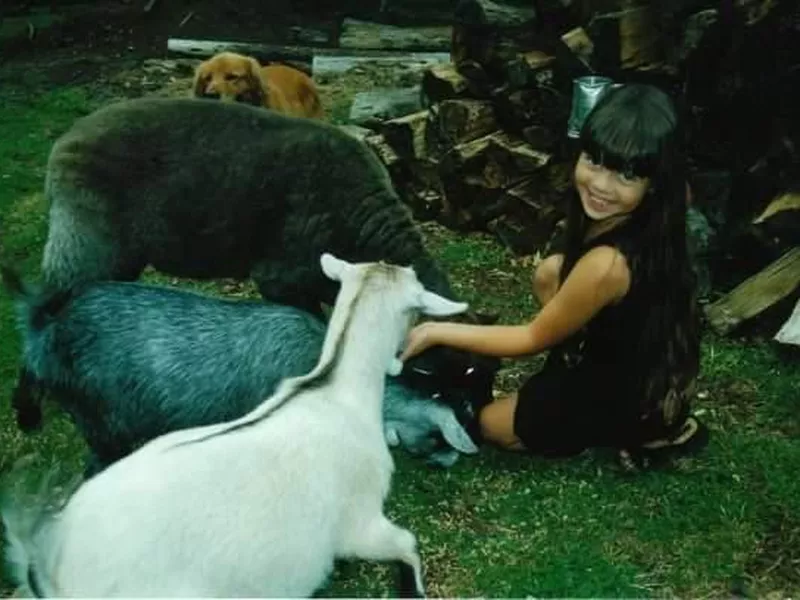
589	391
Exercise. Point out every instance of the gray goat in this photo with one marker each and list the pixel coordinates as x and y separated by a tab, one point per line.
130	362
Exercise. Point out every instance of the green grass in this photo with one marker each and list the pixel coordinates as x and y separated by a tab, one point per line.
499	524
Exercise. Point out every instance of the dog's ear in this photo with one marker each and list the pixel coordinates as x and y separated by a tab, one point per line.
256	93
200	81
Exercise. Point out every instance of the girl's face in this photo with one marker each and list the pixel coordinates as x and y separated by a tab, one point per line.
605	193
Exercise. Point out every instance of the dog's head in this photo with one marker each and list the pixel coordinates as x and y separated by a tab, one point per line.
230	77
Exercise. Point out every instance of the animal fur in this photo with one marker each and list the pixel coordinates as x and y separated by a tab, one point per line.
234	77
146	181
260	506
130	362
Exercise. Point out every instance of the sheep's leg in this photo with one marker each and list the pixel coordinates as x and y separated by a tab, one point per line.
383	540
83	246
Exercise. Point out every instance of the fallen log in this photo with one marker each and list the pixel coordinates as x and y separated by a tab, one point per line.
383	104
339	59
413	61
756	294
367	35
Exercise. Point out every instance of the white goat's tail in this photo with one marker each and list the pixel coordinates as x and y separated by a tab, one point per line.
28	516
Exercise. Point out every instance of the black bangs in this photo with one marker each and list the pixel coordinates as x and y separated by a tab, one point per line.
627	135
625	159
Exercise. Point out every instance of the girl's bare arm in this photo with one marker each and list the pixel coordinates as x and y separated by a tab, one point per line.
601	277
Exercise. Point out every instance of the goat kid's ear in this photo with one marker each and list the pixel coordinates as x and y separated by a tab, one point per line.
333	267
453	432
435	305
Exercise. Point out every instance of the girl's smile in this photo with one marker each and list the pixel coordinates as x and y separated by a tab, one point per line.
606	193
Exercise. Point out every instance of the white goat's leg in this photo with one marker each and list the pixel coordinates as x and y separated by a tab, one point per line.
382	540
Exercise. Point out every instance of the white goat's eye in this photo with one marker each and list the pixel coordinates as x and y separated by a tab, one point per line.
436	395
469	371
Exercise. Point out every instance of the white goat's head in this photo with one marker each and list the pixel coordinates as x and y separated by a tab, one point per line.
396	285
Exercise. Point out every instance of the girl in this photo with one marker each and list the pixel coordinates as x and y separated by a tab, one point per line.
618	313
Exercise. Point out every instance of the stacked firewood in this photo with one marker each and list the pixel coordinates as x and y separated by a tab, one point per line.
490	149
487	151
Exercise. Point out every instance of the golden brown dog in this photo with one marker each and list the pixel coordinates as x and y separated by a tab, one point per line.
236	78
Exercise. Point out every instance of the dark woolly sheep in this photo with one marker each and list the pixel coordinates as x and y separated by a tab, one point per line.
130	362
207	189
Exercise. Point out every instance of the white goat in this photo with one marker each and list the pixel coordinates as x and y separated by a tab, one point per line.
256	506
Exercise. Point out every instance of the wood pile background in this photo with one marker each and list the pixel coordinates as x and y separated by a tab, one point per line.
489	151
481	143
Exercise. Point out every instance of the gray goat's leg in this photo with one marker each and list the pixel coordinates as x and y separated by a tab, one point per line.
382	540
27	401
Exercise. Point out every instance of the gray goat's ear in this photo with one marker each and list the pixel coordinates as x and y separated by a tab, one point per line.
333	267
453	432
438	306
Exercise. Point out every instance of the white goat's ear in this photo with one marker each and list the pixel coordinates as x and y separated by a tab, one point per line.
395	367
333	267
439	306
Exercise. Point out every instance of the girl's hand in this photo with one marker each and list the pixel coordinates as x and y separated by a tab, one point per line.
419	339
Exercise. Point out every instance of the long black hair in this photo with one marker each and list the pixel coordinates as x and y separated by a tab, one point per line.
634	129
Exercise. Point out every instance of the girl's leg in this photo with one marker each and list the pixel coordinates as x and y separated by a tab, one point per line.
547	278
497	423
